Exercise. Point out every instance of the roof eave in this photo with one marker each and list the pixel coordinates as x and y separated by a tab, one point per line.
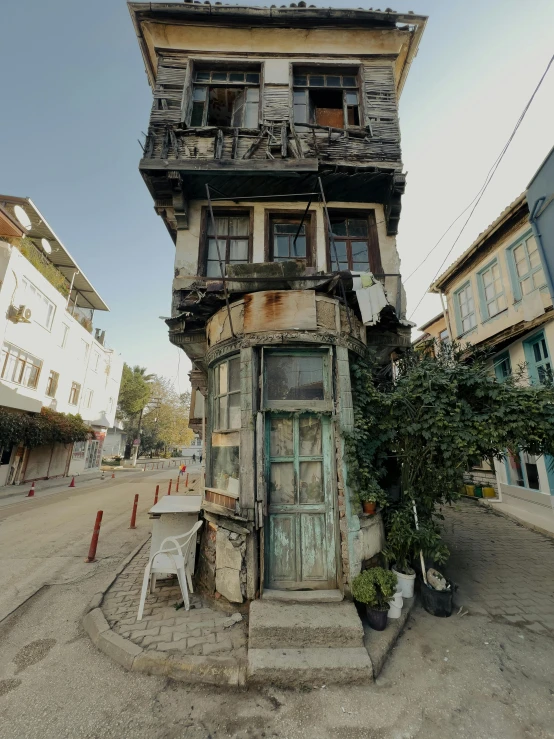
181	12
483	238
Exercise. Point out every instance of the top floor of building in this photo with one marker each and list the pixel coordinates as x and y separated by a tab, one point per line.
497	290
258	100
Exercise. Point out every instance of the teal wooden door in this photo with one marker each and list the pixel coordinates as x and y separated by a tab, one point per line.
300	529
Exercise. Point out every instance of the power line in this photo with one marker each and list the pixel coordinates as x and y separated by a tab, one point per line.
477	199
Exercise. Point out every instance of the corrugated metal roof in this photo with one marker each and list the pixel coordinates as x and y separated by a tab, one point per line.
60	257
479	241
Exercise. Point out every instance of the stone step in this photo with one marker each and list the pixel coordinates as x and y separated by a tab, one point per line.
314	666
329	625
303	596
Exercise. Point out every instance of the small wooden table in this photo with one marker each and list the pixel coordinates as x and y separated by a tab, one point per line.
174	515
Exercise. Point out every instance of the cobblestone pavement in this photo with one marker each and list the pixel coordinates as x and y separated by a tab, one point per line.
200	631
502	568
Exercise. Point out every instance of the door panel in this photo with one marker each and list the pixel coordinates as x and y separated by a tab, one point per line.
282	534
313	554
300	542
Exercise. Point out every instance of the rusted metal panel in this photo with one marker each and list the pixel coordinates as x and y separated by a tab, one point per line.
279	310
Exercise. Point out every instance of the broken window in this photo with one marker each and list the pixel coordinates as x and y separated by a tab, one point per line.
326	99
227	395
225	98
234	237
289	238
356	243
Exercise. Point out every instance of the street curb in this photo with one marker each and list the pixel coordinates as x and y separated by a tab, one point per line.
379	644
511	517
98	598
186	668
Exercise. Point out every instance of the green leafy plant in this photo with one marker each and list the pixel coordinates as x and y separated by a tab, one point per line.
443	410
46	427
375	587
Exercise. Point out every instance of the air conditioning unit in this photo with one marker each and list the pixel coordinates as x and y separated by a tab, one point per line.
23	314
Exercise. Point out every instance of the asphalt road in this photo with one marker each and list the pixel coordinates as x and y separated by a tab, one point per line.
465	677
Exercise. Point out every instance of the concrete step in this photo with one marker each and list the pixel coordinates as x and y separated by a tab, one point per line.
314	666
303	596
275	625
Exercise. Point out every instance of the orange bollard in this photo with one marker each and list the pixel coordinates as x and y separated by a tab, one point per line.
187	481
113	475
134	513
157	493
31	493
169	487
94	541
177	485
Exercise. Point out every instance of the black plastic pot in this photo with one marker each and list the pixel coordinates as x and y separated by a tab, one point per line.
436	602
376	619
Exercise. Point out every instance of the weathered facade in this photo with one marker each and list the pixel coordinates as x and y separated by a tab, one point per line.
273	156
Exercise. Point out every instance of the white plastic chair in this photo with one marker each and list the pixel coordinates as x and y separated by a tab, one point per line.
170	559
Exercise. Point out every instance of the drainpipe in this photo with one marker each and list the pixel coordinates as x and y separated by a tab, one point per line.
446	315
538	236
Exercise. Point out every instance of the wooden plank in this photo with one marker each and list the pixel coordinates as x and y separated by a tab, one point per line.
280	310
234	165
284	139
218	144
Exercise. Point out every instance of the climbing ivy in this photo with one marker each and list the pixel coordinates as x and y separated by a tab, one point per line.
444	412
46	427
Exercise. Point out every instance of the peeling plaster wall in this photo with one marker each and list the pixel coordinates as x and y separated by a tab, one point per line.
188	241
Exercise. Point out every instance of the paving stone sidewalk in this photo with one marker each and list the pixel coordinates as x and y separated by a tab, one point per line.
501	568
200	631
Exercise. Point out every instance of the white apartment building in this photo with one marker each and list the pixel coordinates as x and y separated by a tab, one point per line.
49	355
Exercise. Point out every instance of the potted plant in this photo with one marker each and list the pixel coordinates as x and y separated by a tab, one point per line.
375	588
370	497
401	543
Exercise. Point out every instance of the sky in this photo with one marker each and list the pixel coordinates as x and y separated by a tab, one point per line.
76	99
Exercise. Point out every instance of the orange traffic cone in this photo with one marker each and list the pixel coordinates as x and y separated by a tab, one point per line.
72	483
31	492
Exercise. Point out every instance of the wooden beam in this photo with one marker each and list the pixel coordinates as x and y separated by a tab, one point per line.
229	166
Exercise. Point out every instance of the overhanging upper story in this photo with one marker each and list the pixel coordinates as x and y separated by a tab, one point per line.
263	101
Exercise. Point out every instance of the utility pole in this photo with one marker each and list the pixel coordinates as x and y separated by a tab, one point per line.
136	447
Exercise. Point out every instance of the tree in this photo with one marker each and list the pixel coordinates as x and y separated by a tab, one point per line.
165	421
445	411
134	392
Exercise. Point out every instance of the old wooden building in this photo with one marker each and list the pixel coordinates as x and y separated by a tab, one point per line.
273	157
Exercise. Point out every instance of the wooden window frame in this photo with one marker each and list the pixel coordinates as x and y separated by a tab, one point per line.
291	216
202	267
195	65
328	69
374	252
308	406
74	386
22	358
216	396
52	384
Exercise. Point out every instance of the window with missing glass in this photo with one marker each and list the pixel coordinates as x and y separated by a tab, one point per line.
227	98
296	379
356	243
326	98
289	237
234	236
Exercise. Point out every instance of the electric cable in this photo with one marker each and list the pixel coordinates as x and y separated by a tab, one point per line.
484	187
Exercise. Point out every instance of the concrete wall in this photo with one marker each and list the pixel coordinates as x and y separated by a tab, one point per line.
98	370
81	359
